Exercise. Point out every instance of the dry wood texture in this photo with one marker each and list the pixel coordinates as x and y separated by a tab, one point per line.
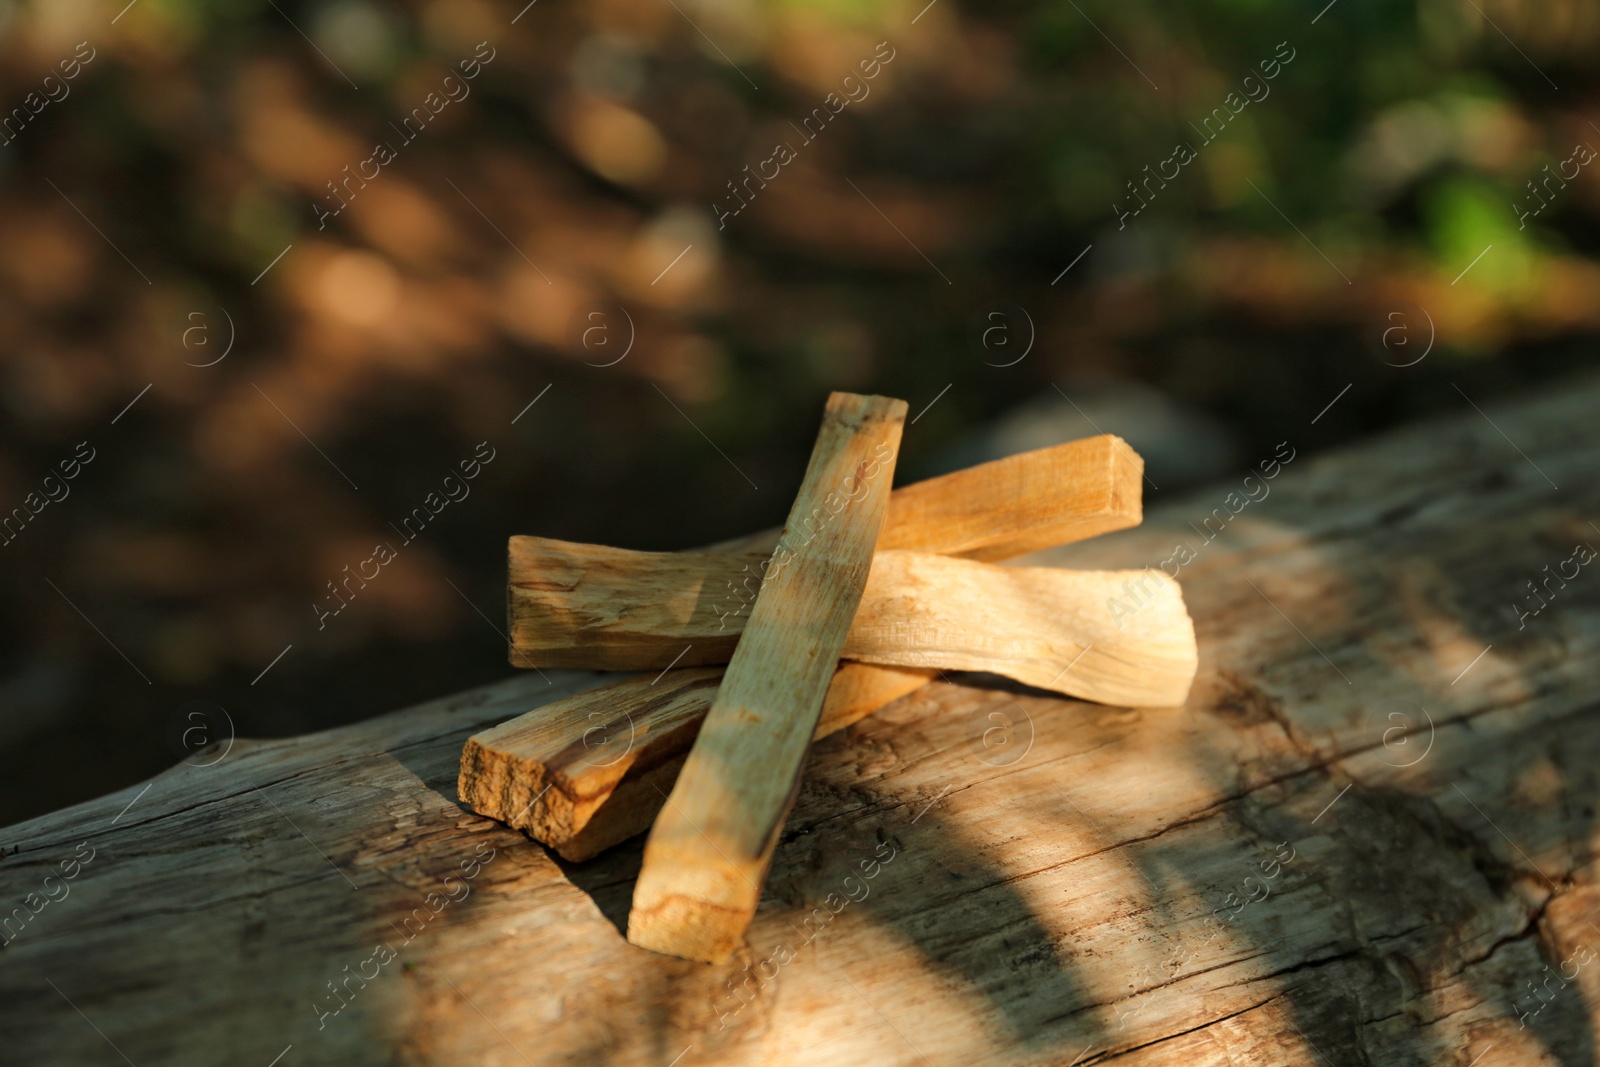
1012	506
707	855
588	771
1043	873
550	779
1053	629
619	747
569	603
919	610
1021	504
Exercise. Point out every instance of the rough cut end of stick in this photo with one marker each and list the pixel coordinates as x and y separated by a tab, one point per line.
706	924
609	756
710	849
546	772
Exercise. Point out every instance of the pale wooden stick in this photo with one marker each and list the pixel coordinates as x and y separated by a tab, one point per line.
1011	506
1075	490
590	771
1054	629
592	606
566	600
605	752
934	612
584	749
708	852
918	610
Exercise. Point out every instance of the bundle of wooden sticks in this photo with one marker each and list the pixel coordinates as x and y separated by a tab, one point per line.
897	585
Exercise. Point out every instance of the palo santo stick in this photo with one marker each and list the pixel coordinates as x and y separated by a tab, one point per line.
592	770
579	605
933	611
585	746
565	599
710	848
858	690
597	799
1022	503
1011	506
1049	628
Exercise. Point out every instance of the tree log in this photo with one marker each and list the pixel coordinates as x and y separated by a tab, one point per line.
1051	881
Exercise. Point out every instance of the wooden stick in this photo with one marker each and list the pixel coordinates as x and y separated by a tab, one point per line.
708	853
1053	629
1011	506
1049	628
918	610
584	750
590	771
1021	504
932	611
567	600
1086	487
577	605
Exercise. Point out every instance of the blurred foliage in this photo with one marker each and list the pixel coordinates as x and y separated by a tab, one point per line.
153	198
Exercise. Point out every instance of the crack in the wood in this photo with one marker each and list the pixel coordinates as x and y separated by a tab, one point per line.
1529	929
1117	1054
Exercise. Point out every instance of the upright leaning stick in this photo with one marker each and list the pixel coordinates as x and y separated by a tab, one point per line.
708	853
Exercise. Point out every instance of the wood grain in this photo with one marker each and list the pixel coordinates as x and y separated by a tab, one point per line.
1050	628
1043	900
1023	503
586	772
1073	490
708	852
1011	506
919	610
548	773
617	748
573	604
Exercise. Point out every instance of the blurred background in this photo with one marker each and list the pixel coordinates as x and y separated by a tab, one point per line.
580	252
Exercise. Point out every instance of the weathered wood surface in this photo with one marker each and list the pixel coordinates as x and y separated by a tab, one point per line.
1051	865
